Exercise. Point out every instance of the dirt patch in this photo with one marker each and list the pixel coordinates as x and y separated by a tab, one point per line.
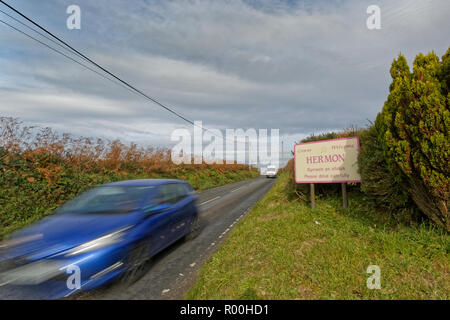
304	293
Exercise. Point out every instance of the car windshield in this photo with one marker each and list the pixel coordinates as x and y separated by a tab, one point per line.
112	199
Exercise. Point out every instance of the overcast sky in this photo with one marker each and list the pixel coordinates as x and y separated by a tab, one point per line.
301	66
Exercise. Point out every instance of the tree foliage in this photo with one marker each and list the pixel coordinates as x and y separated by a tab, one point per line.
414	132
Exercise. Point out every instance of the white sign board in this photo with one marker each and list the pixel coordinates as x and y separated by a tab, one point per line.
327	161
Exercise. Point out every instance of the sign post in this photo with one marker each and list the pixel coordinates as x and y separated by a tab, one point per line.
344	195
327	161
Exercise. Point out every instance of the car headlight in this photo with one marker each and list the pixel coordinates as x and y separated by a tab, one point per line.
98	243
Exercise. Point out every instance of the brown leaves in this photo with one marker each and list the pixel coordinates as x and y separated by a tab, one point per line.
47	154
31	180
51	173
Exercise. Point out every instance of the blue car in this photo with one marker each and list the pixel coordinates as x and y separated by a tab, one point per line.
109	231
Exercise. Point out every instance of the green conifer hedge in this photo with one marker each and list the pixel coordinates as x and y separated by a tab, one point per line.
414	130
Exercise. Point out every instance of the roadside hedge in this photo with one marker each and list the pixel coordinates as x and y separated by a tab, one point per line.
414	132
378	183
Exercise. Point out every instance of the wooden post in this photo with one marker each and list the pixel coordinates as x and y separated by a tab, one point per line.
313	197
344	195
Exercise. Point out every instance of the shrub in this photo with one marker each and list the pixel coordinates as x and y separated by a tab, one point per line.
414	132
378	183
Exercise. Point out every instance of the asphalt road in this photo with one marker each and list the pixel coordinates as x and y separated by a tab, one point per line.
172	272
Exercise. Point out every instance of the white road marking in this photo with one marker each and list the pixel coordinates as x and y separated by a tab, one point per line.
165	291
209	200
192	265
236	189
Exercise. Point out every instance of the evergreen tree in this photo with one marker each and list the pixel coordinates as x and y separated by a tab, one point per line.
415	125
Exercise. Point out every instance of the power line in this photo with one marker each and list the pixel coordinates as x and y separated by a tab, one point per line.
55	50
61	53
121	82
100	67
39	33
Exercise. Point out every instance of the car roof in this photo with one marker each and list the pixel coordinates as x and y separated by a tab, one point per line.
142	182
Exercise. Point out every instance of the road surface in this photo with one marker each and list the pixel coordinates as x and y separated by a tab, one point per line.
173	271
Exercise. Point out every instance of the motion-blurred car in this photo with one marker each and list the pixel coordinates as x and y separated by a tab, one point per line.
271	171
106	232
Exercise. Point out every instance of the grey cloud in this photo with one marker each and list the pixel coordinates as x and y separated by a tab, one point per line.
303	67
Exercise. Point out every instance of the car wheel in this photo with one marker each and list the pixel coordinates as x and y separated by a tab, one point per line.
137	263
195	228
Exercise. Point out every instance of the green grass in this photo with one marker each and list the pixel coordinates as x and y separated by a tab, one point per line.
279	252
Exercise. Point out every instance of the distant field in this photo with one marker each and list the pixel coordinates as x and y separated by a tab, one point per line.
284	250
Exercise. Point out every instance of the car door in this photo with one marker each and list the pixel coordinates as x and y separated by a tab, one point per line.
189	204
179	205
163	223
183	205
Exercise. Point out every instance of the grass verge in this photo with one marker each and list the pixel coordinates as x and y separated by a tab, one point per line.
284	250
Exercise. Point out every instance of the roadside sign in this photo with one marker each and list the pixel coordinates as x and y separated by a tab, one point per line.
327	161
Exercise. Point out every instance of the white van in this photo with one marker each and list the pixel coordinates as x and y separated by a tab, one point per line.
271	171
